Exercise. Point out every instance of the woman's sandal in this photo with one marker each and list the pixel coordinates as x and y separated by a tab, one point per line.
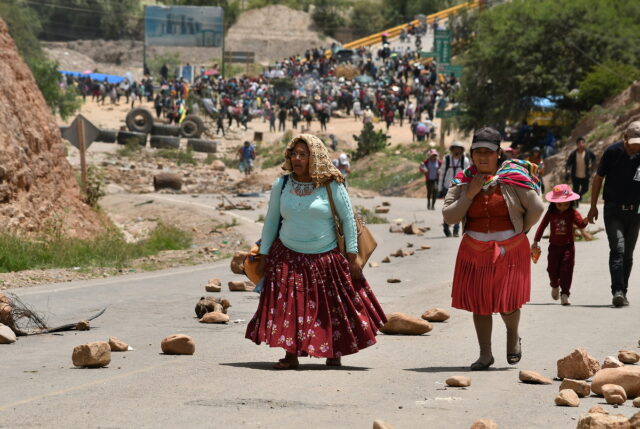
480	366
283	364
514	358
333	362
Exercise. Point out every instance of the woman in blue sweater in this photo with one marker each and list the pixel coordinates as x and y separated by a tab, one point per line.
315	300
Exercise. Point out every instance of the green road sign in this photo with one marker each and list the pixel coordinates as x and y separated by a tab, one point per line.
456	70
446	114
424	54
442	46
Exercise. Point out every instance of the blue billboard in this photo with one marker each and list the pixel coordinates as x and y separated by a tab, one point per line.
183	26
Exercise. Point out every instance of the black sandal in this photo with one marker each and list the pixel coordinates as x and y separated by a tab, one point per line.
479	366
514	358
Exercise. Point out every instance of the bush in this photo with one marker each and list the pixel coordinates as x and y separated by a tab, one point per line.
95	186
369	141
605	80
178	155
131	148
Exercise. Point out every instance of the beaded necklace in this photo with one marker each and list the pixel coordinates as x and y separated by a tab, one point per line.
301	189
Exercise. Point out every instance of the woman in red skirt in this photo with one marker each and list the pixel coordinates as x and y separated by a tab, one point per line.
498	202
315	300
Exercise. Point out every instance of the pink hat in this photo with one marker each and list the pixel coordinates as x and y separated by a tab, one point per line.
561	194
433	152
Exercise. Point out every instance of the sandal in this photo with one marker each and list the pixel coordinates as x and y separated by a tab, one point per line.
333	362
480	366
514	358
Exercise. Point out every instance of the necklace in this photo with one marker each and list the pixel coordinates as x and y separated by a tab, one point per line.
301	189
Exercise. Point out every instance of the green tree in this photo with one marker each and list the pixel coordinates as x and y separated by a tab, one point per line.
328	15
402	11
525	49
604	81
369	141
366	17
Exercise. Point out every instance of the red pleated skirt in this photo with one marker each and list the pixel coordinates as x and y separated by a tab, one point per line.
310	306
492	276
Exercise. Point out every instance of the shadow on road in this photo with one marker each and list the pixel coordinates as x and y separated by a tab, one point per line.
573	305
452	369
268	366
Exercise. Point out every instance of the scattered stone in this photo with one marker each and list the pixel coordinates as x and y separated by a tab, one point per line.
92	355
386	204
484	424
409	244
395	229
458	381
581	387
597	409
403	324
614	394
214	285
374	264
379	424
6	314
83	325
239	286
532	377
412	229
634	421
628	356
214	317
237	262
217	165
211	304
567	398
393	280
167	181
400	253
7	336
578	365
117	345
611	362
603	421
178	344
636	402
381	210
386	260
436	315
425	247
628	377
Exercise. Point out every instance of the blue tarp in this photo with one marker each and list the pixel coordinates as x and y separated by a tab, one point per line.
95	76
544	102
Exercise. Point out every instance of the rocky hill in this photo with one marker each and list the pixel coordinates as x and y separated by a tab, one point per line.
38	188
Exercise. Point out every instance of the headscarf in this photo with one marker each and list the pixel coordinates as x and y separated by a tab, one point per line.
321	168
512	172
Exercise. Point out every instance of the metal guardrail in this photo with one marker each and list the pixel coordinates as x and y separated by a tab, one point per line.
395	31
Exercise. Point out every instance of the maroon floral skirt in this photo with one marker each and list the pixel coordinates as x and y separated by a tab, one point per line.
310	305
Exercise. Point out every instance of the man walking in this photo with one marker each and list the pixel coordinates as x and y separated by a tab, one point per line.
247	154
620	170
452	163
579	166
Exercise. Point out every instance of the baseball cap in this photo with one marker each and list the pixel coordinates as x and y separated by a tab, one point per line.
487	137
633	132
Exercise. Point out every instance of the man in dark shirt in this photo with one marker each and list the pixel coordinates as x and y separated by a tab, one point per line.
579	167
620	164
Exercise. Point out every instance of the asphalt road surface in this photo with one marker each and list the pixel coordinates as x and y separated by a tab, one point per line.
229	382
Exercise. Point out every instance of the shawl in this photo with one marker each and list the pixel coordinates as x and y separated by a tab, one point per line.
512	172
321	168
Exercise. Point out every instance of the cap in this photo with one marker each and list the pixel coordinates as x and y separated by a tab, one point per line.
343	158
633	132
432	152
486	137
456	144
536	149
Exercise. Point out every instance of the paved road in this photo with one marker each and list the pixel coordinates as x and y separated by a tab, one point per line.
229	382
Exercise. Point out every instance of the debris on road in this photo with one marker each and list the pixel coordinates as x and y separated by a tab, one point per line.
413	229
628	356
567	398
83	325
178	344
425	247
627	376
213	285
600	420
484	424
167	181
373	264
239	286
636	402
379	424
458	381
7	336
237	262
436	315
117	345
581	387
404	324
92	355
578	365
597	409
392	280
381	210
611	362
533	377
210	304
614	394
386	260
214	317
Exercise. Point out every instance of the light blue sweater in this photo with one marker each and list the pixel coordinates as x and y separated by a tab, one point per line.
307	221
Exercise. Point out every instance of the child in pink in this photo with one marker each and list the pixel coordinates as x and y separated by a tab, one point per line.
561	259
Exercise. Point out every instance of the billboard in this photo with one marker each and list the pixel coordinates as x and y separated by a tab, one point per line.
200	26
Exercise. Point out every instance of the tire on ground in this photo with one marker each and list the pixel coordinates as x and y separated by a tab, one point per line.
165	142
165	130
167	181
140	120
192	126
107	136
201	145
125	137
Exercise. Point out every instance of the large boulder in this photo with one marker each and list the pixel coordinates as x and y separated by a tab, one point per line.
578	365
214	317
567	398
403	324
581	387
628	356
603	421
627	376
237	262
436	315
178	344
240	286
208	304
213	285
611	362
92	355
7	336
614	394
117	345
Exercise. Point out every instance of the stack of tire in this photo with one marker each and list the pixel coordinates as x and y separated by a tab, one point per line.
140	124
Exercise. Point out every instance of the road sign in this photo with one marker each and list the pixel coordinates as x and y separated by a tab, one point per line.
90	132
424	54
456	70
240	57
442	46
446	114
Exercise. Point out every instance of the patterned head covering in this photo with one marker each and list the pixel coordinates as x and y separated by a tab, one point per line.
512	172
321	168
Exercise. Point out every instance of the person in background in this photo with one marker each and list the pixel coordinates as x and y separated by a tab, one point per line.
247	155
430	167
454	162
536	158
343	165
619	169
579	168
